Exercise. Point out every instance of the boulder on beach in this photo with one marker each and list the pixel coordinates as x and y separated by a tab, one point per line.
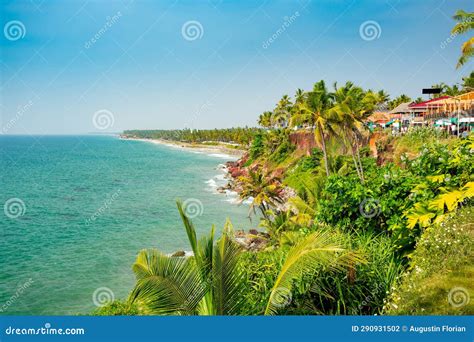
179	254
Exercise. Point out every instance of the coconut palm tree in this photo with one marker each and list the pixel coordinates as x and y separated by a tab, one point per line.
263	190
319	249
209	283
468	82
399	100
265	119
352	107
299	96
314	112
465	24
212	282
382	98
282	112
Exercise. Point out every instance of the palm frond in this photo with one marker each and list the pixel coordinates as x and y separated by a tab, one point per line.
320	249
228	282
166	285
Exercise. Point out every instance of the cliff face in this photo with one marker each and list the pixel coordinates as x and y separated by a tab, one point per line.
304	141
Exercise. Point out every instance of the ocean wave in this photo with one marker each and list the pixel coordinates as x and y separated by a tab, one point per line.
222	155
212	183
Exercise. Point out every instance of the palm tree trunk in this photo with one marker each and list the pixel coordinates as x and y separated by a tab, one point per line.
323	145
353	153
356	164
360	162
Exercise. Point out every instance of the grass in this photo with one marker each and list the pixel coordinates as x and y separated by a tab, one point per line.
439	281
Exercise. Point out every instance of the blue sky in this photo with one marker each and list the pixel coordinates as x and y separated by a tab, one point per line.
145	73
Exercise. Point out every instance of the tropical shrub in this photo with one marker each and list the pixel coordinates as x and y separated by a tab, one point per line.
118	308
359	288
439	280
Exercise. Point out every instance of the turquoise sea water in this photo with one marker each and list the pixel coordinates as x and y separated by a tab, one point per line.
90	204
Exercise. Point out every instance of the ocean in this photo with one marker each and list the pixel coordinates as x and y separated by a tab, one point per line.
78	209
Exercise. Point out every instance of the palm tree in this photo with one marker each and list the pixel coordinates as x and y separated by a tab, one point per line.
212	281
265	119
320	249
314	112
468	82
399	100
299	96
352	107
382	97
209	283
447	89
281	114
465	24
264	191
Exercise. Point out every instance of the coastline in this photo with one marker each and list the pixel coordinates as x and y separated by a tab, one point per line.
219	150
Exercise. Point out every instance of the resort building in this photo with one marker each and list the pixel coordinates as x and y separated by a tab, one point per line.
420	111
379	119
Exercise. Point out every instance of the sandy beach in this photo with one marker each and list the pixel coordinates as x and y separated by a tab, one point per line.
219	150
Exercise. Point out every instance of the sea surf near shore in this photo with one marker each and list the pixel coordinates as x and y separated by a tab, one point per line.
220	150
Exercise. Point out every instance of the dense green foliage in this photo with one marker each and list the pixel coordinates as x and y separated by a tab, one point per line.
118	308
240	136
344	232
439	281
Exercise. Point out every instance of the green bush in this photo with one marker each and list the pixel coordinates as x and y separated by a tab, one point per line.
439	281
117	308
257	147
327	292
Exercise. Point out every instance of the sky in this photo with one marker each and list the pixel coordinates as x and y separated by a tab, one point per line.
90	66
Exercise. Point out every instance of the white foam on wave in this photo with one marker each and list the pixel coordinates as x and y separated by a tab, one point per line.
220	177
221	155
212	183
